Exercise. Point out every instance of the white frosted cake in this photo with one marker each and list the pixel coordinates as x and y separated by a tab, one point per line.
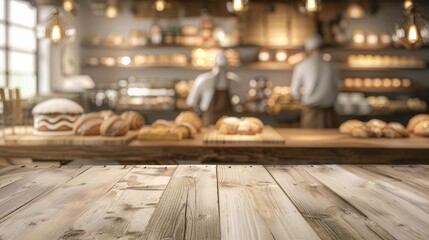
56	116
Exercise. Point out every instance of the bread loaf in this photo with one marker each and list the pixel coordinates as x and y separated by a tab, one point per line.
395	130
114	126
149	133
106	114
88	125
415	120
134	119
229	125
190	117
362	132
349	125
422	128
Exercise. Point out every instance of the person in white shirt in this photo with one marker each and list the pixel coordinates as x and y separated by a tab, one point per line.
315	82
212	91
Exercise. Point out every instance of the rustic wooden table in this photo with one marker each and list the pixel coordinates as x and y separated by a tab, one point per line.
302	146
215	202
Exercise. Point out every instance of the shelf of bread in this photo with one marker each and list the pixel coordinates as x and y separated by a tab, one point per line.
384	61
185	126
246	130
375	128
378	85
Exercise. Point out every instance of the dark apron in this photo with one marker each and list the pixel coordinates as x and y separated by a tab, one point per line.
220	105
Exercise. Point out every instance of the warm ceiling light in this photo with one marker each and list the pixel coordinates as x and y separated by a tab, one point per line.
237	5
311	6
69	6
55	31
413	31
355	11
281	55
56	28
112	9
264	55
160	5
408	4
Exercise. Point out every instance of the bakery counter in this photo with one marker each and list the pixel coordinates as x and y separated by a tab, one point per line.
301	146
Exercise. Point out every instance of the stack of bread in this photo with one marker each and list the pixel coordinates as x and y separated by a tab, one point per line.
419	125
185	126
373	129
107	123
241	126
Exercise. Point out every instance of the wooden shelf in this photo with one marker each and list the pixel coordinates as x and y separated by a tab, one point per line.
128	47
385	90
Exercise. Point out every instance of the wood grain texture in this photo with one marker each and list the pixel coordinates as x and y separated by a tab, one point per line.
329	215
268	136
253	206
400	218
125	210
188	208
21	192
52	215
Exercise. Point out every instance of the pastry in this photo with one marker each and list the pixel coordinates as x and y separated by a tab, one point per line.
256	124
229	125
134	119
362	132
415	120
422	128
187	129
106	114
219	122
114	126
376	131
56	116
150	133
376	123
245	128
395	130
88	125
190	117
163	124
349	125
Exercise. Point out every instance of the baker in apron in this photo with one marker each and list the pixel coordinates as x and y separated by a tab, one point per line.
315	82
212	91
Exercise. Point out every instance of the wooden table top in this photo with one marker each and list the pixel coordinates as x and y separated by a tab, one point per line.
215	202
314	146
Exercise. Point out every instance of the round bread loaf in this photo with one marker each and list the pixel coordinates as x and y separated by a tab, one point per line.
190	117
257	125
401	131
415	120
376	123
361	132
106	114
219	122
229	125
349	125
163	124
246	128
88	125
114	126
422	128
134	119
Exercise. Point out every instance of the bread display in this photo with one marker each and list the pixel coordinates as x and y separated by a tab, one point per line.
243	126
167	130
88	125
134	119
415	120
374	128
56	116
191	118
349	125
114	126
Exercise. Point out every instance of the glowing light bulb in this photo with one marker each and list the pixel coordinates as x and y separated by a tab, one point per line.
160	5
413	34
311	5
238	5
111	9
264	56
408	4
281	55
56	34
68	5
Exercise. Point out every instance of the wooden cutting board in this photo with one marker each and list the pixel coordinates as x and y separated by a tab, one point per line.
268	136
72	139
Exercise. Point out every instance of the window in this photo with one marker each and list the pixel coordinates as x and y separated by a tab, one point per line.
18	46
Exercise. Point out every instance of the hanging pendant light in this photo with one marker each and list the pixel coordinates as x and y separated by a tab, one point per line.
57	28
310	6
237	6
69	6
354	11
413	31
408	4
159	5
112	9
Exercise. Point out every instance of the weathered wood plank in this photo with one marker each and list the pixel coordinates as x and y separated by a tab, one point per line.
124	211
329	215
405	174
14	173
400	218
188	208
394	186
51	215
253	206
30	187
